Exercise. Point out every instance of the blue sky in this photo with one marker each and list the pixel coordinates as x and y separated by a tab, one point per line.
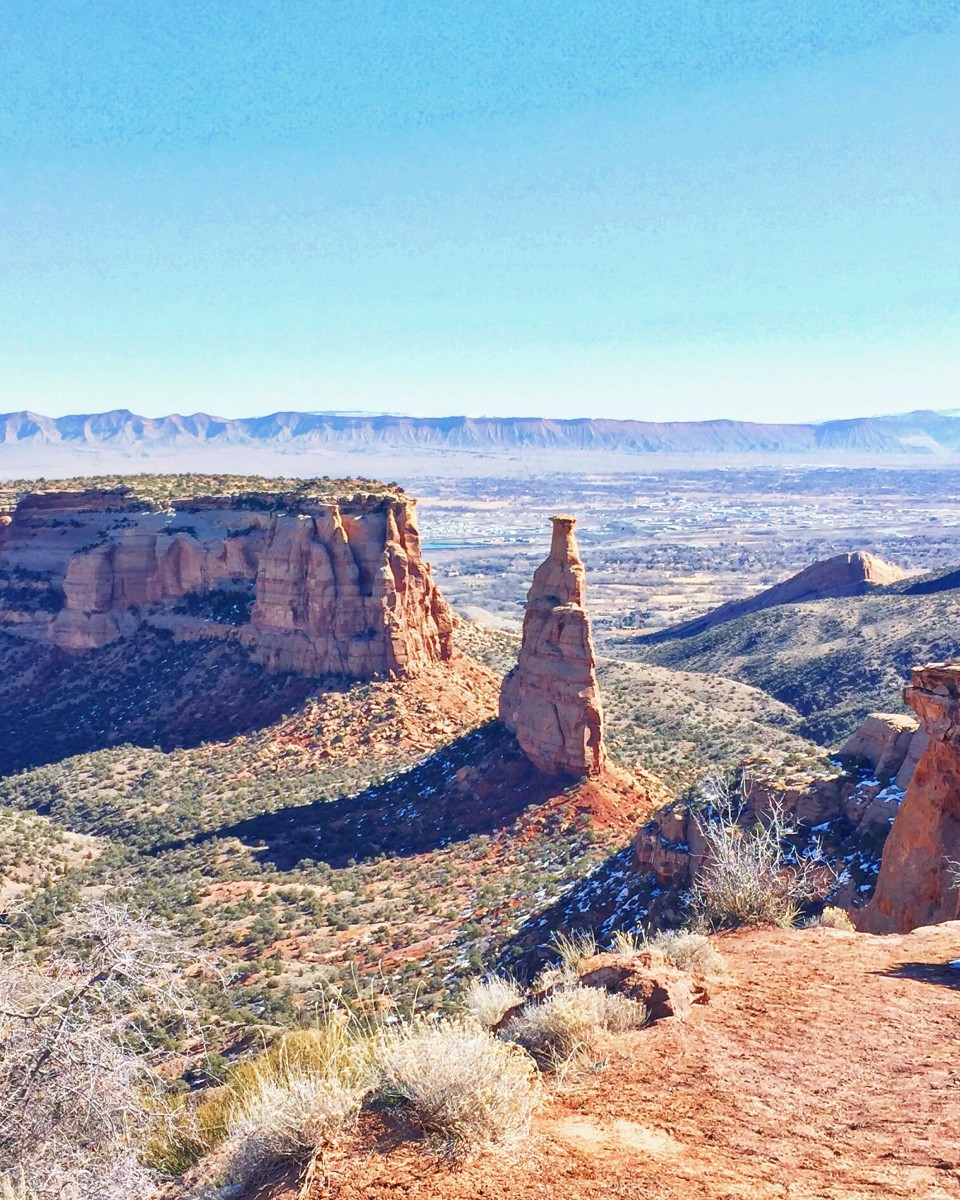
662	210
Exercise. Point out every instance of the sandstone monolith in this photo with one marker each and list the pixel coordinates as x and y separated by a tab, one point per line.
551	700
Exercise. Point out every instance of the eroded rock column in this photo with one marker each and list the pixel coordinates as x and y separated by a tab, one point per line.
551	700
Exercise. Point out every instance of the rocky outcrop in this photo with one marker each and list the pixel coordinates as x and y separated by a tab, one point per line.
309	585
843	818
917	884
551	700
646	977
884	743
843	575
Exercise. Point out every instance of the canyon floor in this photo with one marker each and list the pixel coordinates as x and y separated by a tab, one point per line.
826	1066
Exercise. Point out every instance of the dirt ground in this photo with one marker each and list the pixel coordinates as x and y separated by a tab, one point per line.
825	1067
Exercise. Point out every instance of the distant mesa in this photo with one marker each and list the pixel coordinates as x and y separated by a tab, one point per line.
921	434
551	699
308	580
852	574
918	879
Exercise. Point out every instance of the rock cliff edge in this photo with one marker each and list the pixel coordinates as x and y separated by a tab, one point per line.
310	584
917	881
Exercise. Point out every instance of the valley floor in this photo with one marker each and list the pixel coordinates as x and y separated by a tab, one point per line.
825	1067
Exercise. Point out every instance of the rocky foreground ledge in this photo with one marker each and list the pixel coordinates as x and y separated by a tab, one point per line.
320	577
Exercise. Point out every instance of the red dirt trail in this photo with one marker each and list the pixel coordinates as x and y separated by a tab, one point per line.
825	1067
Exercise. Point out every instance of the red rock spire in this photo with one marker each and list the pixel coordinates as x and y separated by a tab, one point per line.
551	699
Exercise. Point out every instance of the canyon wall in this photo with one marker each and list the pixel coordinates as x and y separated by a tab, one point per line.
551	699
917	884
318	586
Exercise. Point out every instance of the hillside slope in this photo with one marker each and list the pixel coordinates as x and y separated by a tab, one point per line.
834	660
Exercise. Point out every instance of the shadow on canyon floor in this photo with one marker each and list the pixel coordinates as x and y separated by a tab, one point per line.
477	784
154	692
941	974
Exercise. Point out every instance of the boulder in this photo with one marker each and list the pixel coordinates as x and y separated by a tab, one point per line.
647	977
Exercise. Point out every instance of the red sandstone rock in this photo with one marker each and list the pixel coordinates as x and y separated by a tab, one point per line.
916	882
551	700
338	587
882	741
647	977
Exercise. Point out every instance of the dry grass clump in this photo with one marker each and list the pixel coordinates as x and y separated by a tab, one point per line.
287	1122
690	952
488	1000
276	1108
575	949
571	1021
682	948
833	917
458	1082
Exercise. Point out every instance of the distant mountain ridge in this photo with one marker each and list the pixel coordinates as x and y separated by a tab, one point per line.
922	432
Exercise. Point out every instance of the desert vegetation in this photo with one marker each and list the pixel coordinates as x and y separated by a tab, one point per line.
164	489
746	877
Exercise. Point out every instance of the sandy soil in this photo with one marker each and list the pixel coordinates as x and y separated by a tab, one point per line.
825	1067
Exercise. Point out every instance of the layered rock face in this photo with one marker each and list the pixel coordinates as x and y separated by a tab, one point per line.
551	700
890	744
916	885
318	587
843	575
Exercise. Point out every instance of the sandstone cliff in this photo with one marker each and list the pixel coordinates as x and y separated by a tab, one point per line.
843	575
917	883
889	744
551	700
312	584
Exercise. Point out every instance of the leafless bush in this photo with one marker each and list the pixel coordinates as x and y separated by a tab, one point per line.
75	1059
746	878
488	1000
571	1021
460	1083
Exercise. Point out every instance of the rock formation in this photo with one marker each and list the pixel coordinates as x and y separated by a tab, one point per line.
551	700
312	585
889	744
843	575
917	884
